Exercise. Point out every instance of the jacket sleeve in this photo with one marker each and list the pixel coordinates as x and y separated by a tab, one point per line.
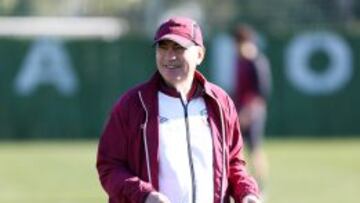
240	182
116	178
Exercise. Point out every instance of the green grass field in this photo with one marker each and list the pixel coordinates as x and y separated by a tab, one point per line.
302	171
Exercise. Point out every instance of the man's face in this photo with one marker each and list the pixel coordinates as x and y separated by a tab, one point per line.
175	63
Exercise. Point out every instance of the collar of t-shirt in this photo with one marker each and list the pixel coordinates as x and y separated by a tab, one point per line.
194	92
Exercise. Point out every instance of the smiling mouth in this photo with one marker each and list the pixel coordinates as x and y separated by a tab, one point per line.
171	66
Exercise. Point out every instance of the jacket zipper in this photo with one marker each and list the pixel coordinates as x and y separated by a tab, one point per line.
222	194
224	153
144	127
191	164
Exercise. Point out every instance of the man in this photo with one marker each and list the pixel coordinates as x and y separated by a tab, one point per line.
253	85
176	137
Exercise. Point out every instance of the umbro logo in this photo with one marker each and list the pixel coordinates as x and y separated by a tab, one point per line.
163	119
203	112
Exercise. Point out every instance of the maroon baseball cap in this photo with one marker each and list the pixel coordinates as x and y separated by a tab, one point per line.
182	30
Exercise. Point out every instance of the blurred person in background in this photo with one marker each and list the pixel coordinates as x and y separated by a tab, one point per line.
252	88
176	137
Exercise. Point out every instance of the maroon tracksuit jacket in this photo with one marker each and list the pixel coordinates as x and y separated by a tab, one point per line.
127	159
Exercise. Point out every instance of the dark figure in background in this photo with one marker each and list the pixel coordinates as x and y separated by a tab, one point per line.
252	88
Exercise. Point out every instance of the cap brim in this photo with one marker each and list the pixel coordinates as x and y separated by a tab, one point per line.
182	41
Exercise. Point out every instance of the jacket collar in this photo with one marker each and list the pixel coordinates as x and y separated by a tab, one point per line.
195	90
200	86
205	84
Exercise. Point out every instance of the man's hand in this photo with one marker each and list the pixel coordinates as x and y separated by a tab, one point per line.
251	199
156	197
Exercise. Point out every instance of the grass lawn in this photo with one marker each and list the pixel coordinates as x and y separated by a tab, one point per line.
302	171
313	171
49	172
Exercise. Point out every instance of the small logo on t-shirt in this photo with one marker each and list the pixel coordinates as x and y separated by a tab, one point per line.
163	119
203	112
204	116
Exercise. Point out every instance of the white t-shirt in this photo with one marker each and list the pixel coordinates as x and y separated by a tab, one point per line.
175	179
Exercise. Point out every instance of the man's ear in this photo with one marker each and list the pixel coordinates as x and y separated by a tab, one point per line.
201	55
